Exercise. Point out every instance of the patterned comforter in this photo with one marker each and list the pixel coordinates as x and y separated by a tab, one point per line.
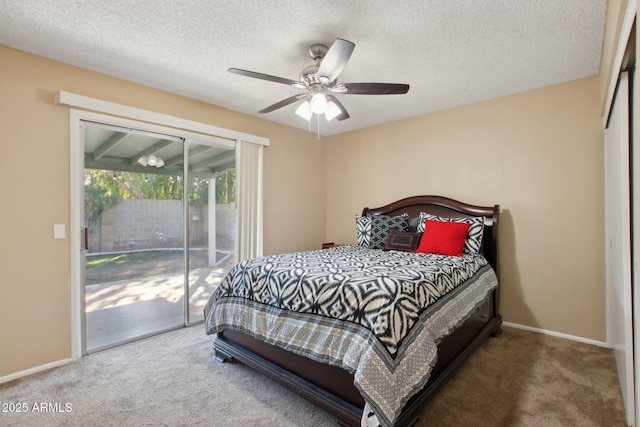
378	314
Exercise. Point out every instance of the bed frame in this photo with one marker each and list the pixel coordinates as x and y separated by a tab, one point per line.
331	387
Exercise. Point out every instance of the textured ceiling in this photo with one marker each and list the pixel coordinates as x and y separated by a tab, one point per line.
451	52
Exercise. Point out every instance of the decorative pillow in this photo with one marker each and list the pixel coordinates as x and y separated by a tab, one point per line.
363	230
380	225
443	238
473	242
399	241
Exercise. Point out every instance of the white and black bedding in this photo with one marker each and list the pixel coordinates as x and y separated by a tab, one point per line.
377	314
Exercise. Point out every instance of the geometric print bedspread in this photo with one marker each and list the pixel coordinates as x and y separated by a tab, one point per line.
383	291
377	314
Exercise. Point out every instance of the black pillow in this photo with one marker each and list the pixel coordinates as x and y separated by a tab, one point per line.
402	241
380	226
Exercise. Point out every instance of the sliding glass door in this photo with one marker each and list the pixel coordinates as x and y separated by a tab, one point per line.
211	221
160	230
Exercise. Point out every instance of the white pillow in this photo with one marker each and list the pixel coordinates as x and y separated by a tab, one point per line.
363	230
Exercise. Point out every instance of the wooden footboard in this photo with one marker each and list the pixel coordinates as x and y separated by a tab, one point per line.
331	387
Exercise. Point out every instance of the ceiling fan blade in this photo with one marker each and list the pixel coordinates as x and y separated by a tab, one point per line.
261	76
336	58
343	111
283	103
375	88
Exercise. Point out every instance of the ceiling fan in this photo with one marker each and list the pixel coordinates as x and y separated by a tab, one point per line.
320	83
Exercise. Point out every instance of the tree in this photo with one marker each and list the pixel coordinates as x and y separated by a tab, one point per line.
226	186
99	195
105	189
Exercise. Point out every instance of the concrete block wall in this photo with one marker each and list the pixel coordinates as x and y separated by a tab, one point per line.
145	224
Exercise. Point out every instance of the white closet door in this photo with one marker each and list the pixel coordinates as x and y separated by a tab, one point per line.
618	241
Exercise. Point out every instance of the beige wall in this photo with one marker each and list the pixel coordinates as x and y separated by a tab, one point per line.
34	188
538	154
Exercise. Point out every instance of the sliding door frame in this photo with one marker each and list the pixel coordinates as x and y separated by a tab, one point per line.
119	115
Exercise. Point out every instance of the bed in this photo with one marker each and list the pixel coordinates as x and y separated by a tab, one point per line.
336	353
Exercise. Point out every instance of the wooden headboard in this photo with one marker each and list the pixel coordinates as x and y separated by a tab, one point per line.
448	208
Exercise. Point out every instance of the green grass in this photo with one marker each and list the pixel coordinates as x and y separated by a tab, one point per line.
132	265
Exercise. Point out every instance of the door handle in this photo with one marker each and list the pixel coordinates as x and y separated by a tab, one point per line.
84	236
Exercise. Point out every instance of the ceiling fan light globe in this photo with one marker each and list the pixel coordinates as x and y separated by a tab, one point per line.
152	160
332	111
160	163
143	161
304	110
318	103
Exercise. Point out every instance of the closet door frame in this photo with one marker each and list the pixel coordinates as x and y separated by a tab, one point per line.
620	304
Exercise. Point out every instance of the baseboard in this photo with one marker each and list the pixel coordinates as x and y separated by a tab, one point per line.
556	334
34	370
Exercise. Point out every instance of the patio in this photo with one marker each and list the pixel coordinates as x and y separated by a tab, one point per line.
125	310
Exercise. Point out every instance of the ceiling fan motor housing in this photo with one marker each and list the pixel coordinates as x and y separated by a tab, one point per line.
309	74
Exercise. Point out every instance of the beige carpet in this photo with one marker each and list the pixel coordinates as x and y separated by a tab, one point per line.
528	379
518	379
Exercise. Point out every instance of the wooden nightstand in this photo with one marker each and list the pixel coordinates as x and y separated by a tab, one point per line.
328	245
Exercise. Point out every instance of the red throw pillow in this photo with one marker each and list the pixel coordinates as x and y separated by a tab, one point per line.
444	238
